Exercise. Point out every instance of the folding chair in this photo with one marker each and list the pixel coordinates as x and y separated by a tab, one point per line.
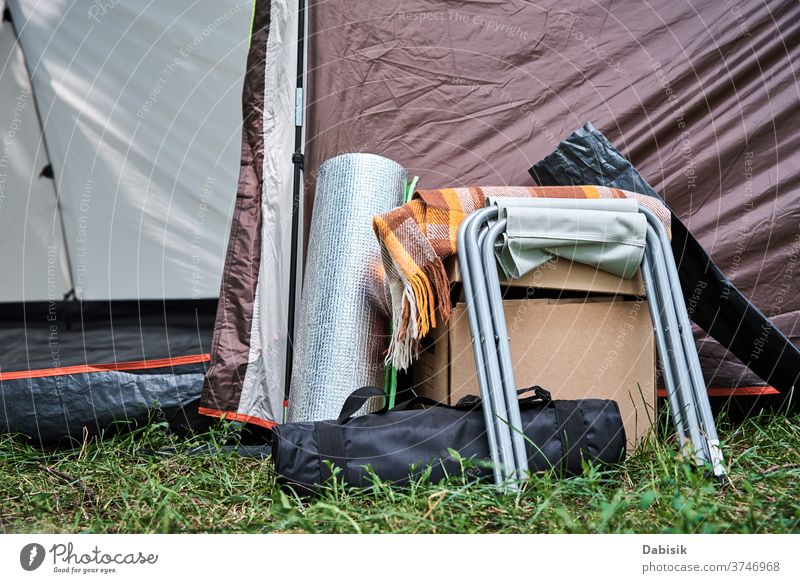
478	237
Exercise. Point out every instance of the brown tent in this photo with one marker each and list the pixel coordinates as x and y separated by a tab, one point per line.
701	97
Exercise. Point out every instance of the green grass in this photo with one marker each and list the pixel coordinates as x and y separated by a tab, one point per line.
112	486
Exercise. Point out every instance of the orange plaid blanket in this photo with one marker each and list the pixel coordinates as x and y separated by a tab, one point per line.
417	237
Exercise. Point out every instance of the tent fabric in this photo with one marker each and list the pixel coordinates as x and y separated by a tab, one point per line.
32	253
699	96
247	374
140	109
718	307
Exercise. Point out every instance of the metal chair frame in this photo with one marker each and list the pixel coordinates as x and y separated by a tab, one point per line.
680	365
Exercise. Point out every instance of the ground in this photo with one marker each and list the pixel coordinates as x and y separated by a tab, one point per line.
115	485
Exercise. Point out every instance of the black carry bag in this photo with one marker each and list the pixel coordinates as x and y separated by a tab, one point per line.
401	444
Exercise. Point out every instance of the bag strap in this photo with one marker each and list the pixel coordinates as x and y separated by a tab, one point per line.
540	394
571	432
330	443
356	400
330	434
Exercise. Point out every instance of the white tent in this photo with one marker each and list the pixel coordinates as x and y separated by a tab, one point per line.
140	107
120	136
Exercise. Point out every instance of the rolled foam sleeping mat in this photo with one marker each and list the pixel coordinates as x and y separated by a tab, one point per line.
344	327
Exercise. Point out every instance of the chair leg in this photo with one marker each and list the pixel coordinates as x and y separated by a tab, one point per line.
673	358
708	428
673	397
477	351
503	350
707	440
485	333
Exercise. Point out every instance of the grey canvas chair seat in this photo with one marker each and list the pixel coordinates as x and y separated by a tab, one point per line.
608	234
613	235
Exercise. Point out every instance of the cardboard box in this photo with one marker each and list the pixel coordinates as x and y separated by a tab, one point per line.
563	275
599	345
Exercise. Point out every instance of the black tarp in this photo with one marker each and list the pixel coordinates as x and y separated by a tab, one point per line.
45	400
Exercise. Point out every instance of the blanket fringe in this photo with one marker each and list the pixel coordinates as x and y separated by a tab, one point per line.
425	293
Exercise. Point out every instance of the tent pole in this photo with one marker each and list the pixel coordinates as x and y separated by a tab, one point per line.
70	280
297	160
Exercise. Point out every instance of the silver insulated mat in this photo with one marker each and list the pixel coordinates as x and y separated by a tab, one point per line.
343	329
